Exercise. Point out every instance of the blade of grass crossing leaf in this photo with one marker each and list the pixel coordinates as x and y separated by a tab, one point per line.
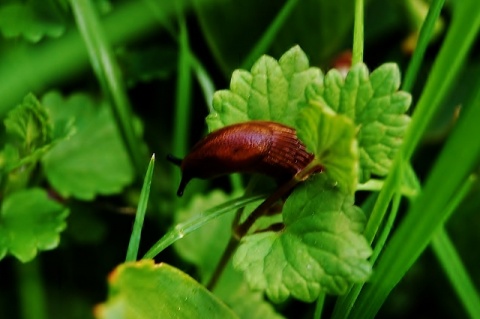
345	303
108	73
183	229
358	38
392	184
428	212
423	40
268	37
132	251
447	65
456	272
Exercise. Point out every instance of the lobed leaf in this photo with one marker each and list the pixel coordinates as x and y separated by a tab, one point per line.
92	160
376	106
332	138
143	290
320	250
28	125
29	136
30	221
271	91
33	20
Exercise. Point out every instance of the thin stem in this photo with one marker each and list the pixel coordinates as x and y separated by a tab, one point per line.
357	54
243	228
31	290
227	254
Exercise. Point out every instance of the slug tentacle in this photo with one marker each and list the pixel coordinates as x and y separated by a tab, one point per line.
252	147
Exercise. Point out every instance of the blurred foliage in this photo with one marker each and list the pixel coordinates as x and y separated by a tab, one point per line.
42	53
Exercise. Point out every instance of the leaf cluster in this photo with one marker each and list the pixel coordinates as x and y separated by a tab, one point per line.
76	146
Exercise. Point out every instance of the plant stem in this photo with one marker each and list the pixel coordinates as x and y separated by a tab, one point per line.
227	254
357	54
32	294
243	228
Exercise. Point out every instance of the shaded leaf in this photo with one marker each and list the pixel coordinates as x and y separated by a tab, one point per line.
91	161
32	19
29	125
144	290
321	249
30	221
29	136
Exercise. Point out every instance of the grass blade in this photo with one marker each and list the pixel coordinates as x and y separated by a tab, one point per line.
427	213
108	73
424	37
132	251
183	229
456	272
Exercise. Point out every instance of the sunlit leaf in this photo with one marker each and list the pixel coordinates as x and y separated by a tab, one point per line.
144	290
373	102
270	91
320	250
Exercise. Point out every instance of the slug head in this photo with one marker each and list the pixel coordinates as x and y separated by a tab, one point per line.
185	177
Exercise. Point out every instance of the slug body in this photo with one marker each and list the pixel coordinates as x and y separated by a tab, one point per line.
260	147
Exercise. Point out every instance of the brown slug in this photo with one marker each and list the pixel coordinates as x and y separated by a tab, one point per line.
260	147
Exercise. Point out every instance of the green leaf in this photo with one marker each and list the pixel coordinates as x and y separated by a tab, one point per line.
29	136
32	19
204	248
29	125
30	221
376	106
93	160
271	91
332	138
144	290
320	250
